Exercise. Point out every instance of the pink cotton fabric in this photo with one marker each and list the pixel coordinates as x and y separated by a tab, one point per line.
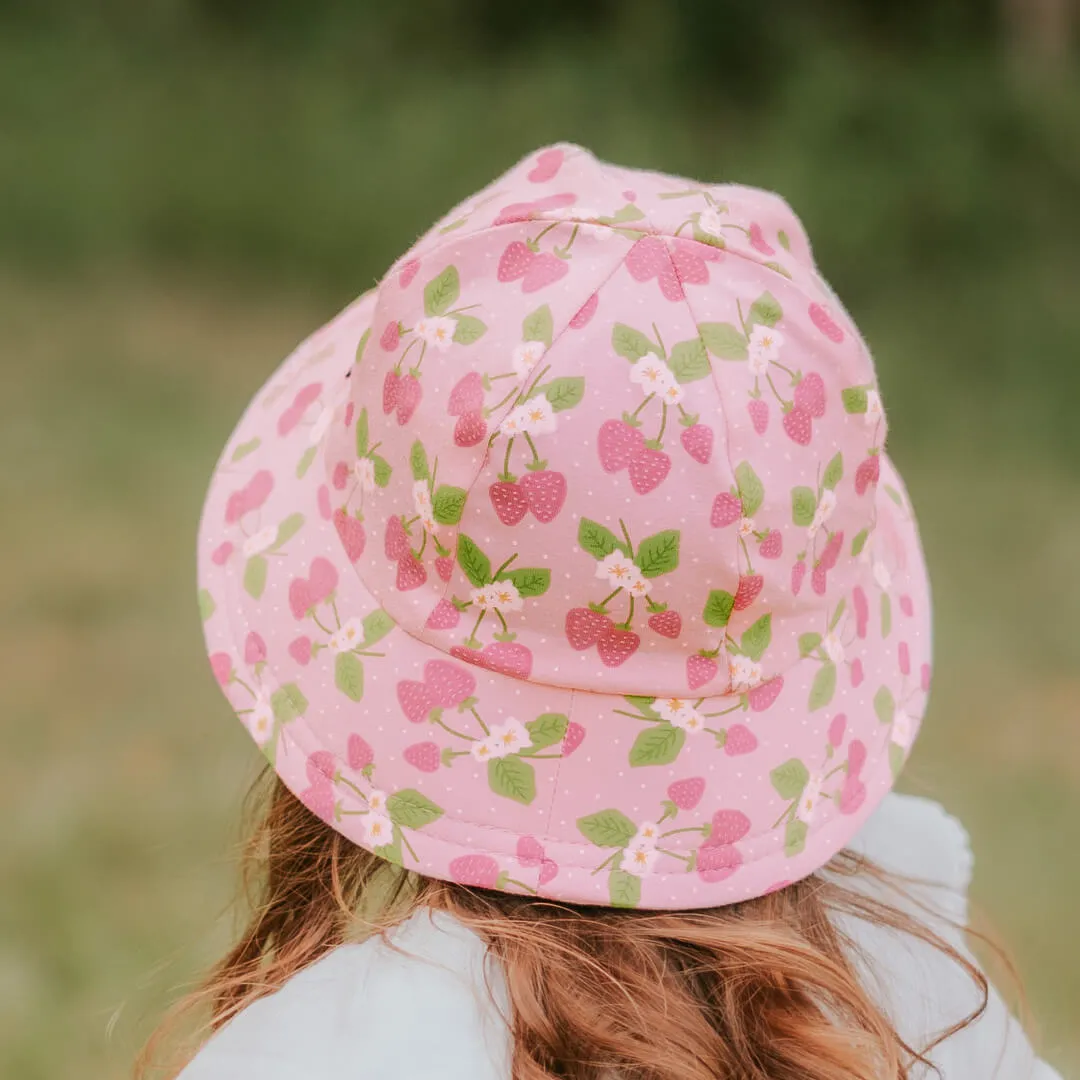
569	559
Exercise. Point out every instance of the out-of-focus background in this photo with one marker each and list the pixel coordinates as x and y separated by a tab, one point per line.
187	187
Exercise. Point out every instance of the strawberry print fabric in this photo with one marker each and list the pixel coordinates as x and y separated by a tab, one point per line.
569	560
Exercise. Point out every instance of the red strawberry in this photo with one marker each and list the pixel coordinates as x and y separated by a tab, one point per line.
649	258
924	678
510	502
391	336
409	394
221	665
832	549
837	729
415	699
444	567
514	261
341	475
545	493
758	241
423	756
530	852
350	412
798	572
449	684
761	697
759	414
686	794
666	623
819	579
390	387
689	259
867	473
821	318
254	648
359	752
396	542
584	627
856	672
772	547
856	757
799	425
444	616
700	670
250	497
728	827
718	863
549	869
810	394
411	573
749	586
618	442
905	658
408	272
616	646
319	799
221	553
648	469
323	498
479	871
548	163
585	313
726	508
507	658
906	606
740	740
351	532
545	270
862	610
470	429
852	795
300	650
574	737
697	441
467	395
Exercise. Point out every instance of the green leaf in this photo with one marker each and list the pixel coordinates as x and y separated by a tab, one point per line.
860	541
441	291
823	687
629	212
255	576
657	745
790	779
473	562
207	607
376	624
718	608
630	343
512	778
808	643
766	310
886	615
566	392
803	505
785	240
547	730
287	703
349	675
412	810
391	852
538	326
777	268
362	433
644	705
795	836
447	504
469	329
854	399
897	757
658	554
361	345
598	540
530	580
287	530
305	461
607	828
418	461
756	638
382	470
723	340
689	361
885	705
246	448
834	472
836	615
751	489
624	889
455	224
894	495
702	237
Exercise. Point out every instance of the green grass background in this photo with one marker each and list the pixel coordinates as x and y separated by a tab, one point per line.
183	199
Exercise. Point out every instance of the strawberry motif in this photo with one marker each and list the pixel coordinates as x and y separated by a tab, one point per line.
726	509
530	852
856	673
689	259
798	572
545	493
904	657
545	270
648	259
407	272
351	532
358	752
584	627
547	165
758	241
300	650
507	658
618	444
390	387
255	648
467	395
423	756
697	441
740	740
250	497
585	313
759	414
810	395
648	469
686	794
448	684
479	871
616	646
514	261
831	552
319	799
509	500
411	573
396	542
906	606
799	425
700	670
534	208
762	697
666	623
409	393
867	473
728	827
861	607
574	737
820	317
391	335
836	730
818	579
221	553
772	547
341	475
444	567
444	616
470	429
749	587
415	699
717	863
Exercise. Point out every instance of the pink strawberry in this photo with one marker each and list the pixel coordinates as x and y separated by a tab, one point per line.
831	552
740	740
836	730
697	441
666	623
478	871
700	670
618	443
574	737
250	497
319	799
411	573
409	393
798	572
716	863
514	261
408	272
856	758
510	502
529	851
221	553
862	610
341	475
423	756
759	414
905	658
545	493
449	684
856	672
323	498
300	650
648	469
749	587
545	270
350	412
507	658
548	163
584	627
819	579
799	425
906	606
391	335
444	567
852	795
254	648
467	395
221	666
772	547
649	258
585	313
867	473
295	412
616	646
758	241
762	697
470	429
728	827
924	678
351	532
416	700
726	509
358	752
689	259
396	542
390	388
820	317
686	794
549	869
444	616
810	394
528	211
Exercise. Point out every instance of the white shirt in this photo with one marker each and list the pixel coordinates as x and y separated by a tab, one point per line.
420	1008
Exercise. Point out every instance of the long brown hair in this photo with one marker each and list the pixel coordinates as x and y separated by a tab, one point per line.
762	990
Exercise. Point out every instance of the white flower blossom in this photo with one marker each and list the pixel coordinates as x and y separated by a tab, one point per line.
438	331
651	374
765	342
834	648
639	860
874	409
689	720
321	425
376	801
509	738
348	637
515	422
670	708
745	674
639	585
539	416
526	356
647	835
746	527
484	749
617	568
810	799
377	829
481	598
503	595
882	575
428	521
260	721
709	222
672	394
903	729
260	541
364	471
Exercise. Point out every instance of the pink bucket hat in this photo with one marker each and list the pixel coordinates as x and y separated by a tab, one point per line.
569	559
